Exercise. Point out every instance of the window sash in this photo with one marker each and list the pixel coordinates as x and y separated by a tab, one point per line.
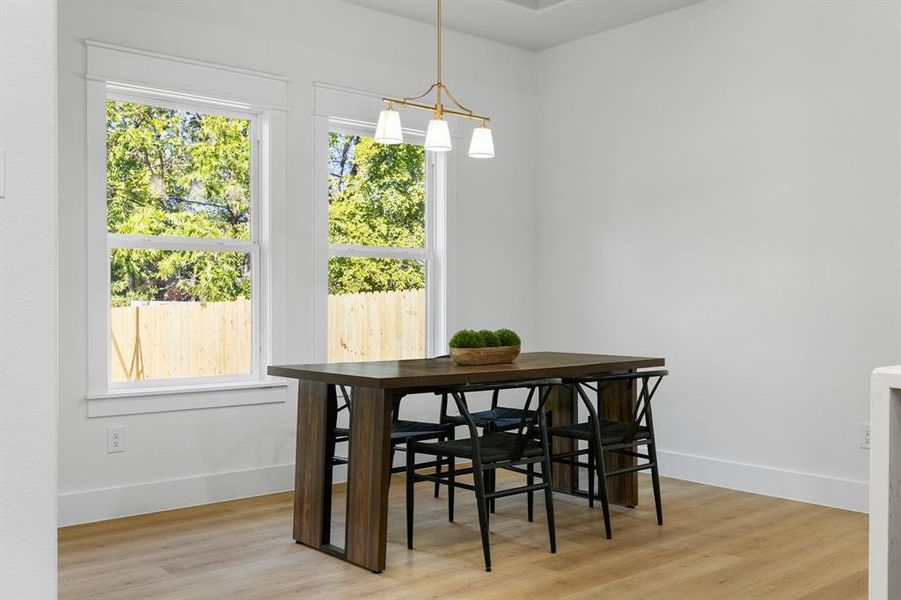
209	109
425	254
176	243
255	372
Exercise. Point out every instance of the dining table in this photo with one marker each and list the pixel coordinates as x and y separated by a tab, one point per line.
377	387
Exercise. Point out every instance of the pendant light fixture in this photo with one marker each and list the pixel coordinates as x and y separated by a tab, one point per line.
437	137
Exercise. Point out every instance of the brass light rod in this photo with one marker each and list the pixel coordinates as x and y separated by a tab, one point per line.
433	108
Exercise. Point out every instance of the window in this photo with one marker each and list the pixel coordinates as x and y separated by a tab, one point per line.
183	243
185	233
382	263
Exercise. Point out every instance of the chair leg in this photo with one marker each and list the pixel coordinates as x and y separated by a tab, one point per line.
411	474
491	473
487	503
549	502
479	480
492	487
530	480
451	467
602	483
590	479
655	480
438	469
546	475
451	437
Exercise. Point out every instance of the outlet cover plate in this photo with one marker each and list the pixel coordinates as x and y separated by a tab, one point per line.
115	439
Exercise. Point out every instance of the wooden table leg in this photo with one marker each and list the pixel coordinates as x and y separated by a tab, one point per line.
367	478
562	405
618	403
316	409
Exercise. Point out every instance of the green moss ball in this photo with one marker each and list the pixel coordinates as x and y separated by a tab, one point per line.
466	338
508	337
490	338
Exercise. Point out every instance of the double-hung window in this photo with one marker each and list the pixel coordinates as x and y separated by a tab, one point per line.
183	242
384	283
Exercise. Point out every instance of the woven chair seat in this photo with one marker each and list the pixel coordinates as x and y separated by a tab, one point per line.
500	418
612	432
402	430
495	447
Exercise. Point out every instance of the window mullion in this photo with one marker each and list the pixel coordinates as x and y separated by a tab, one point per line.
353	250
168	242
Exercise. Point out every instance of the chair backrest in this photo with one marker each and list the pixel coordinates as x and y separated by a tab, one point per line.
347	398
641	413
494	388
528	419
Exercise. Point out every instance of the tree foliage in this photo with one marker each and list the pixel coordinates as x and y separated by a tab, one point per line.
181	173
376	198
177	173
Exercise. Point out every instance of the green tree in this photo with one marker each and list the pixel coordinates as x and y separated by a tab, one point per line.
181	173
177	173
376	198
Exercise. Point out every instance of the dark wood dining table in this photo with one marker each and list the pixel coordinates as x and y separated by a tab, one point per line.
377	386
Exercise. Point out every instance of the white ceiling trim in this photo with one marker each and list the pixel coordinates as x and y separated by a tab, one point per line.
536	5
530	24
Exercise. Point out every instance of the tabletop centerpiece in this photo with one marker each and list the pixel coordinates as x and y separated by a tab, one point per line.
484	347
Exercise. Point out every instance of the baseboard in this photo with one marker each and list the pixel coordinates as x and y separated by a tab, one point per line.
124	501
769	481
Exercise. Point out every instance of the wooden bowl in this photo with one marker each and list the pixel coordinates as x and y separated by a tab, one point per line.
484	356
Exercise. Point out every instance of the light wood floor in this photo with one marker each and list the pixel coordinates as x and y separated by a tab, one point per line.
716	543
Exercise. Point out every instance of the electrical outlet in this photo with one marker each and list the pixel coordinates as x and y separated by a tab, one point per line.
865	436
115	439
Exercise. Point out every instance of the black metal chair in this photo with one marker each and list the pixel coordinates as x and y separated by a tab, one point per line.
619	437
488	452
497	418
402	431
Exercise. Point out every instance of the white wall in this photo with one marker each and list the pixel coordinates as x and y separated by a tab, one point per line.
720	186
28	132
717	185
188	457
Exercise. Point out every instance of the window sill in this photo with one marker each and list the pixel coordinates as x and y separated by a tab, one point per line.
168	399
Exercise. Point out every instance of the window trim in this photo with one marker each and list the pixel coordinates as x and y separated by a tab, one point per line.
433	254
209	88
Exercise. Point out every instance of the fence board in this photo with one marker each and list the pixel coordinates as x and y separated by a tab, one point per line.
168	340
376	326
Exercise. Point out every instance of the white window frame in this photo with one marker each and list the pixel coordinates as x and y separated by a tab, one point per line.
176	243
433	254
186	84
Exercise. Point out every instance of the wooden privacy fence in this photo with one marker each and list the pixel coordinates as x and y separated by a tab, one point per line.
376	326
167	340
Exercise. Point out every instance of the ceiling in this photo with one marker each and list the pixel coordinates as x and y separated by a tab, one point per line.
530	24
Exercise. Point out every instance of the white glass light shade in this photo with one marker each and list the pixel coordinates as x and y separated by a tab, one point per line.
388	130
482	144
437	137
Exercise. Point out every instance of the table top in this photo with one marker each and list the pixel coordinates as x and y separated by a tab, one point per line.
431	372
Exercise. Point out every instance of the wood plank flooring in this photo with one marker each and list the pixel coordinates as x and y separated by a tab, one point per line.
716	544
